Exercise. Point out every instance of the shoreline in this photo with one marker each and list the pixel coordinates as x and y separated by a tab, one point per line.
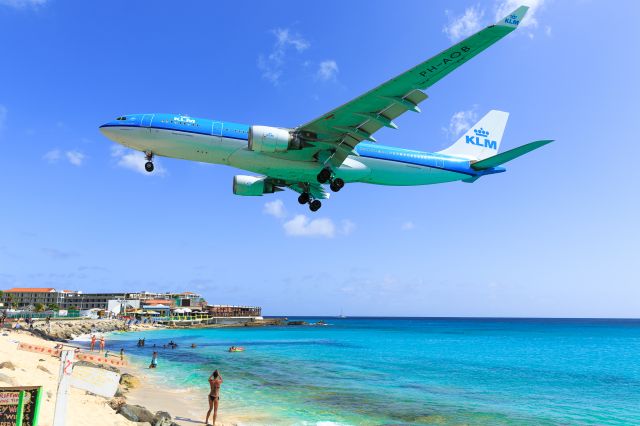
185	406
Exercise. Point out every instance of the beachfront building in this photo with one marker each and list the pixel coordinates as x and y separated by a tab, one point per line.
24	298
227	311
30	297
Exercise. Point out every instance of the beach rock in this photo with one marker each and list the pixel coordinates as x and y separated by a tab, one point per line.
129	381
162	418
103	366
7	364
120	391
117	402
43	368
297	323
127	413
136	413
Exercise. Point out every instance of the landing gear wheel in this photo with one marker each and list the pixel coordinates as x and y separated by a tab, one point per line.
148	166
324	176
315	205
336	185
304	198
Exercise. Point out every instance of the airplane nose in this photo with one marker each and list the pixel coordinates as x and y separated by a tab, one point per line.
106	130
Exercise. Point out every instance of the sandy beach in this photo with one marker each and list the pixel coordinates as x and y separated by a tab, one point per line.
23	368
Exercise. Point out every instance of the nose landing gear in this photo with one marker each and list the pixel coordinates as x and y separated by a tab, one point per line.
148	166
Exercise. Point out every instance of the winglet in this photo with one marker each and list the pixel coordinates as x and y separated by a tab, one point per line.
513	19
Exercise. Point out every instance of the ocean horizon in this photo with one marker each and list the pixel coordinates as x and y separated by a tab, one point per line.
405	371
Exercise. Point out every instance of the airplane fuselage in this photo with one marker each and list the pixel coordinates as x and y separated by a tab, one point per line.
217	142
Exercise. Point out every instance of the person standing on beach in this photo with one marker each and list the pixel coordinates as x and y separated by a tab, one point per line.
121	353
93	342
215	380
101	343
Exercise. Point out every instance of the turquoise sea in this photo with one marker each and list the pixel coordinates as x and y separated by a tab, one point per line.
422	371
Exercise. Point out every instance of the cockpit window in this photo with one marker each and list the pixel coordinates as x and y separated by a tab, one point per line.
121	118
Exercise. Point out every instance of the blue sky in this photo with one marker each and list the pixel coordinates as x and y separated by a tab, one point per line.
556	235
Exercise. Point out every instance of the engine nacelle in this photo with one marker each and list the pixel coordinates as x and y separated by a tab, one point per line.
252	186
271	139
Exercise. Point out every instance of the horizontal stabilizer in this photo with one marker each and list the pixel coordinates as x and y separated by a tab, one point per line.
502	158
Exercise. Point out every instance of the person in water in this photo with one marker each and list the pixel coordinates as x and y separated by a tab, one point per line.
215	380
154	360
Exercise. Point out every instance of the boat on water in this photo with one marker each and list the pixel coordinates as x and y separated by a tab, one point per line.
236	349
341	314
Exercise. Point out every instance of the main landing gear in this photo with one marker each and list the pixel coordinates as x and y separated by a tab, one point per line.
325	175
148	166
305	198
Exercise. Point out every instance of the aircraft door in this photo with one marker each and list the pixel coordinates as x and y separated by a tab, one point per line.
146	120
216	128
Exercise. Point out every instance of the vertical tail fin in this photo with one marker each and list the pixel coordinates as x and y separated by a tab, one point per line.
482	140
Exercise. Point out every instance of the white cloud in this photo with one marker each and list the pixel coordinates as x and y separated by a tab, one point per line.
504	7
286	38
461	121
272	65
21	4
464	25
275	208
407	226
75	157
53	156
302	226
327	70
133	160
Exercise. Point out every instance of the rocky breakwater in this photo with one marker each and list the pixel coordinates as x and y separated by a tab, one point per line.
71	328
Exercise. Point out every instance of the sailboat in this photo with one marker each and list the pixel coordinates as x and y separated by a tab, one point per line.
341	314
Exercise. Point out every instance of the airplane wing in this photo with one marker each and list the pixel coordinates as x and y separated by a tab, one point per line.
341	129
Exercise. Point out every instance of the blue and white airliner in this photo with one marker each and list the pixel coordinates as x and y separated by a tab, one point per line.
337	147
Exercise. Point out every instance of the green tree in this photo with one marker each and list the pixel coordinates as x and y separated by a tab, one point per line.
53	307
39	307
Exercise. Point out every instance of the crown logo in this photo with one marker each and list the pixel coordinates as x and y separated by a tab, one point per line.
481	132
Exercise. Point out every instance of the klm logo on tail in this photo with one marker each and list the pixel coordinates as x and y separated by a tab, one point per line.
481	139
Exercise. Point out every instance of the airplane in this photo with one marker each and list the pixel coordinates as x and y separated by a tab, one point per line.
338	147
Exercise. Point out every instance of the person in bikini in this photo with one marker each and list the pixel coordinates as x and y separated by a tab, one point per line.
215	380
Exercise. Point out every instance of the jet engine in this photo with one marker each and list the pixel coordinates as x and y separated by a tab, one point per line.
271	139
252	186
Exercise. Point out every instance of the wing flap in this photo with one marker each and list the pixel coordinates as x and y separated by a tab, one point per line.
315	189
